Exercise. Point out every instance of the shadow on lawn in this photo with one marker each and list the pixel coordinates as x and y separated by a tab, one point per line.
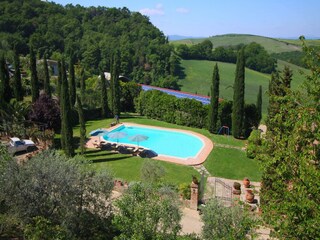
101	154
99	160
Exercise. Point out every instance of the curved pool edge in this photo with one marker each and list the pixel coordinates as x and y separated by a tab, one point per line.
199	159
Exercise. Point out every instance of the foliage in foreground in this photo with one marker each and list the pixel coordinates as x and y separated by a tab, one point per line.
145	212
53	192
290	189
152	171
225	223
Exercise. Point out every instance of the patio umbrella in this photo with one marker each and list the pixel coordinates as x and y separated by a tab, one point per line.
138	138
117	135
98	132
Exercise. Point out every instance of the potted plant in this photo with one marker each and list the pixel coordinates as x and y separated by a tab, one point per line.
246	182
249	196
236	188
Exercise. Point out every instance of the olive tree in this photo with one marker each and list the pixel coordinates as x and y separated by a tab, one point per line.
145	212
225	222
152	171
60	190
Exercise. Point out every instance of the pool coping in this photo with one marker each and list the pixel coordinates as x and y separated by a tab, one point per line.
199	159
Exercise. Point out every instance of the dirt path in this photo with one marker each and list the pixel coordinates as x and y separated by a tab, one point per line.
191	221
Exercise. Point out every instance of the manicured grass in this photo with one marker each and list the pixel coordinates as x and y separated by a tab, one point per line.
128	168
232	164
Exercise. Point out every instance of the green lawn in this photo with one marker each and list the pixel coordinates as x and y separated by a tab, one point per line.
128	168
232	164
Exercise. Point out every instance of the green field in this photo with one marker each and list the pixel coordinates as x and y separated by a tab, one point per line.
298	73
232	163
198	74
297	42
270	44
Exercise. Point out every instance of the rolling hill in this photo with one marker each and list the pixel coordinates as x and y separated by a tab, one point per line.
297	42
198	74
272	45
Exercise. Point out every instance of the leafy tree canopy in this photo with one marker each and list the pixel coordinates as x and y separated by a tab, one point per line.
53	192
290	155
46	111
146	212
89	34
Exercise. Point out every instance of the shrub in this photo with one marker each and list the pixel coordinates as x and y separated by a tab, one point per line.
184	190
254	143
225	222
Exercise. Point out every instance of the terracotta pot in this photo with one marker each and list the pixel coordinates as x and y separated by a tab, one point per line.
236	191
249	196
246	182
236	185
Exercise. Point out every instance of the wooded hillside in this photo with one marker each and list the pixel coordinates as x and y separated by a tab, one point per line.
90	34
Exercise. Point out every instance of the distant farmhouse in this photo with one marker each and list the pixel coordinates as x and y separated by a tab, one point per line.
107	75
52	64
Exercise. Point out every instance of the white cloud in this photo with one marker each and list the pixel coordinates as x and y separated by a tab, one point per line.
158	10
182	10
159	6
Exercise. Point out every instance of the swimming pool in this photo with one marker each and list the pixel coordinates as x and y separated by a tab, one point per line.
163	142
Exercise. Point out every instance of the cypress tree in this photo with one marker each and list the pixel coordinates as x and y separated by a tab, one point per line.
5	91
82	84
59	79
115	86
62	102
259	104
82	123
72	82
214	100
66	126
34	75
273	91
18	91
104	97
238	97
286	79
46	84
111	85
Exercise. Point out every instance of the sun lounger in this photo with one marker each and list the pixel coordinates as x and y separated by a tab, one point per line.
147	153
135	151
106	146
96	144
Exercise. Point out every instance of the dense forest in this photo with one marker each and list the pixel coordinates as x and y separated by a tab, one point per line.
90	35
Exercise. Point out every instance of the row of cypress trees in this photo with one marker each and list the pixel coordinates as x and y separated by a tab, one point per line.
238	108
66	91
5	91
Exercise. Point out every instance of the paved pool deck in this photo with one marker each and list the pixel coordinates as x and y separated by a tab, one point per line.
199	159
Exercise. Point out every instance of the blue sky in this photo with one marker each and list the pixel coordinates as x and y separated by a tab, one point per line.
271	18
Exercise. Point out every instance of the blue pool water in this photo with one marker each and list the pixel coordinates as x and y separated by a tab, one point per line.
163	142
